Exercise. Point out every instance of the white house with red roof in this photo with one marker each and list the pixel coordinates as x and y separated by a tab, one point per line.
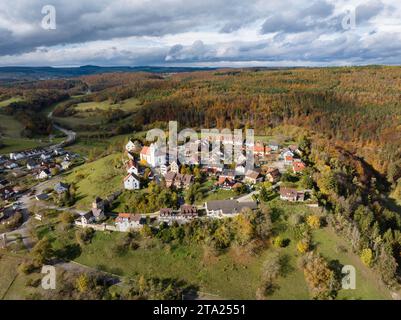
132	182
132	167
153	155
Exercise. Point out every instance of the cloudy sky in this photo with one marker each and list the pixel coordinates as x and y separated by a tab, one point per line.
201	33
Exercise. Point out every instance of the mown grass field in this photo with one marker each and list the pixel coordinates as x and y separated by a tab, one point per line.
219	194
90	113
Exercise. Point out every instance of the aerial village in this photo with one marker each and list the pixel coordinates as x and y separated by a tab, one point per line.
271	162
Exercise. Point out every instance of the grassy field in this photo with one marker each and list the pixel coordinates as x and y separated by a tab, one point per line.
5	103
127	105
10	127
98	178
224	276
8	273
368	286
90	113
10	130
12	145
234	274
13	285
84	146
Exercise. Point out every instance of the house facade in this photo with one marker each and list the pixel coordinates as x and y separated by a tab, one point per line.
132	182
43	174
273	175
132	167
253	177
126	222
178	180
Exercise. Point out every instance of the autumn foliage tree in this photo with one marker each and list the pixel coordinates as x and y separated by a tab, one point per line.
319	277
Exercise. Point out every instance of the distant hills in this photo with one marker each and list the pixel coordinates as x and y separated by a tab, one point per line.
34	73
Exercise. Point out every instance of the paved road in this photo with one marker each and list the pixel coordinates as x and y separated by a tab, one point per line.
71	135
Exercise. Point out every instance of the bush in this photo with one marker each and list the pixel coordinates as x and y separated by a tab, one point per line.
26	267
279	242
33	282
303	246
313	221
367	257
319	277
84	236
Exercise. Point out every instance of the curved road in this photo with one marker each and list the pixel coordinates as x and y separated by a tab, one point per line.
71	135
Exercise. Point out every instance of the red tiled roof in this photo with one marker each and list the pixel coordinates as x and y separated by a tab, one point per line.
145	150
298	166
131	164
124	215
258	148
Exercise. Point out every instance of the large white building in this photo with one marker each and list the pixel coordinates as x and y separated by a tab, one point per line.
153	156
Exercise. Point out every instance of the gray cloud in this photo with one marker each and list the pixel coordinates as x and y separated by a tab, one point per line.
368	10
138	32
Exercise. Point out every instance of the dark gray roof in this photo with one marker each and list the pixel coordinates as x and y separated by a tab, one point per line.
88	215
42	196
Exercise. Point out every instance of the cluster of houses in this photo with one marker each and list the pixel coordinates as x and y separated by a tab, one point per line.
227	178
38	162
125	222
7	191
